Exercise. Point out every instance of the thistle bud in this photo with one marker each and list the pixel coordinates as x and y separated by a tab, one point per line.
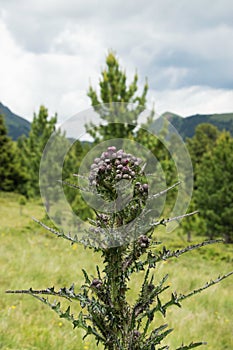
143	241
96	283
112	149
136	334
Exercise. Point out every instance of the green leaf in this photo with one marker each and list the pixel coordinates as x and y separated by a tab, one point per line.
175	300
66	314
56	307
160	307
191	346
156	337
87	279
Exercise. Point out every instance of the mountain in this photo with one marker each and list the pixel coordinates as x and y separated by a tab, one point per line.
16	126
186	126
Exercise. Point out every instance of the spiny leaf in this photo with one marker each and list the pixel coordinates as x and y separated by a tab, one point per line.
191	346
64	292
156	337
152	259
177	218
56	306
160	307
207	285
66	314
87	279
98	272
159	329
175	300
57	233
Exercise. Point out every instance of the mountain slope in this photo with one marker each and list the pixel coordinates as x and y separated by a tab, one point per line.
186	126
16	126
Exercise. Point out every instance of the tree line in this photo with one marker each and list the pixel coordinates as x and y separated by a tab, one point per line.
211	152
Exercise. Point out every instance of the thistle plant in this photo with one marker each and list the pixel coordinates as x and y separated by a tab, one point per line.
124	236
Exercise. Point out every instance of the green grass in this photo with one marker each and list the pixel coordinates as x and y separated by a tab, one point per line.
32	257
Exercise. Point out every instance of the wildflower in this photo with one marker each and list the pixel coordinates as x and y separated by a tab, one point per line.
112	167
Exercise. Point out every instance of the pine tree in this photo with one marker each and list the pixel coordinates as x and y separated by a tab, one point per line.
117	104
203	141
214	195
31	149
72	164
53	168
10	174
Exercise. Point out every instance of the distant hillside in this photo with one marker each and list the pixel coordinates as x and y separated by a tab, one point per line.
16	126
186	126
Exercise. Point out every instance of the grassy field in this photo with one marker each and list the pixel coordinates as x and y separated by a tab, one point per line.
32	257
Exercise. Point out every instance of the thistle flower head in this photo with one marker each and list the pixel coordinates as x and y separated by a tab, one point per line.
112	167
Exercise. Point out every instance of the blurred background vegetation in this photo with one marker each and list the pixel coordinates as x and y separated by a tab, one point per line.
30	257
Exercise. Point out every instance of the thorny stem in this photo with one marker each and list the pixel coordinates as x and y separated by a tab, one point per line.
177	218
116	281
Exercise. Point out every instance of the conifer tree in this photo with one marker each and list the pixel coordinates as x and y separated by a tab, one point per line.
119	106
116	98
31	149
203	141
214	195
71	167
10	174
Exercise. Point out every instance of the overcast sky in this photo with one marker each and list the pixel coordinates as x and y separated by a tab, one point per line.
50	50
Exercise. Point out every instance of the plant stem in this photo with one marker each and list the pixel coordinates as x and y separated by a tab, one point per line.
117	285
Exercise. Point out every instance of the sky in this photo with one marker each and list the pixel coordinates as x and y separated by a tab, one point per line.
50	52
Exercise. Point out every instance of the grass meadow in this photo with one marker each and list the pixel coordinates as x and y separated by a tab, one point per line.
32	257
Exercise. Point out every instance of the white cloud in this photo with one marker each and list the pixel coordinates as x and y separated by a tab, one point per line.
193	100
16	72
29	80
